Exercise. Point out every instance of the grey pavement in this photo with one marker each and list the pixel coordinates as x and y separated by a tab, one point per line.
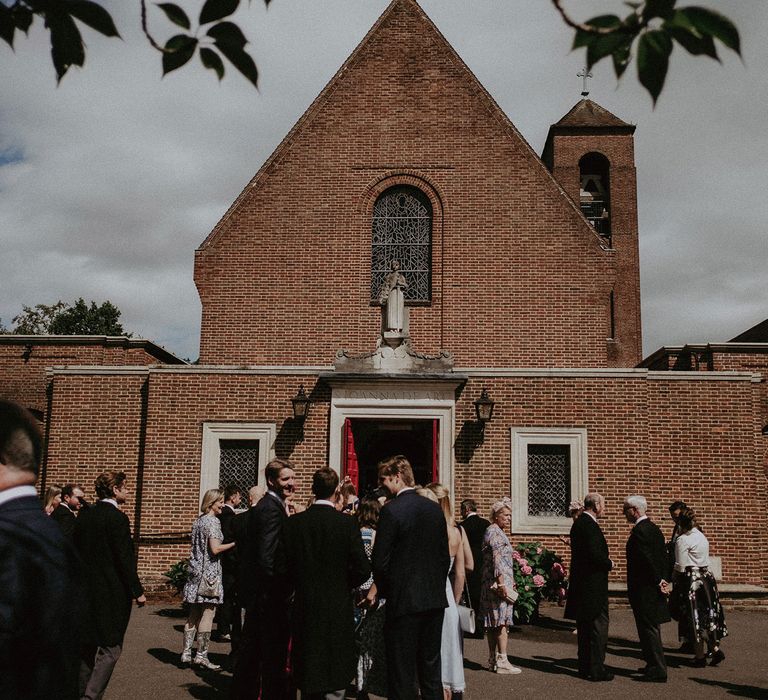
149	666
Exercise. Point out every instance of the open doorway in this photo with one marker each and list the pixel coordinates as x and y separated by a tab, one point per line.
367	441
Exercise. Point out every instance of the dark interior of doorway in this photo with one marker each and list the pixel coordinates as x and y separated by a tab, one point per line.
376	439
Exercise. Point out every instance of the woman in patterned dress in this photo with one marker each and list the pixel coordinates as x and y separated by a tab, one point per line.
701	616
497	587
203	589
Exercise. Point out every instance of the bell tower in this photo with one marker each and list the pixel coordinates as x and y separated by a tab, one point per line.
591	154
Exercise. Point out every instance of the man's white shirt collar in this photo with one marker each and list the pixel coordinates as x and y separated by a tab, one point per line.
641	518
110	500
591	515
17	492
404	489
324	502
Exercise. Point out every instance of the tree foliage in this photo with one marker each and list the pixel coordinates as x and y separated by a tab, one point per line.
69	319
649	33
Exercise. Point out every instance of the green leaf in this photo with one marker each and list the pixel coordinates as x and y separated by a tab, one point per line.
178	50
212	60
227	33
583	38
66	43
607	45
7	25
240	60
216	9
693	43
658	8
92	14
653	60
711	23
175	14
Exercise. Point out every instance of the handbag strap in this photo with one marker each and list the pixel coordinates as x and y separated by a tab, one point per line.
466	593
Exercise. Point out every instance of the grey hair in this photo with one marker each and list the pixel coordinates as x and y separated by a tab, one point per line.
638	502
591	500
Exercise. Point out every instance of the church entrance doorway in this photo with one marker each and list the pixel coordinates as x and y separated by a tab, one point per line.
367	441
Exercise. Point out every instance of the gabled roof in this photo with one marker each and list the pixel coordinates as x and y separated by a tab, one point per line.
156	351
756	334
315	108
587	113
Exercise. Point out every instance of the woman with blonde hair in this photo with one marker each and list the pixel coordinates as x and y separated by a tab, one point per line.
203	589
52	498
497	591
451	656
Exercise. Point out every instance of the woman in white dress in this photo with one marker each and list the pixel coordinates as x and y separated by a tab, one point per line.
452	658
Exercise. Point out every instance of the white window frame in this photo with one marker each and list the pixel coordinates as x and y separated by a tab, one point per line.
213	433
576	439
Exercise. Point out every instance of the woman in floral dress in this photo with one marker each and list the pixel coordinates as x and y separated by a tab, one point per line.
497	587
203	589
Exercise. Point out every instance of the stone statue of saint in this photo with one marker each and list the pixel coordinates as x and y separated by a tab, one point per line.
392	297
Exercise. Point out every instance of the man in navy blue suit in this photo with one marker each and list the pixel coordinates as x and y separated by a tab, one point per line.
410	564
39	634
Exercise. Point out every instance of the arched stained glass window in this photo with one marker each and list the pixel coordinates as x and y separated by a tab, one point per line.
402	231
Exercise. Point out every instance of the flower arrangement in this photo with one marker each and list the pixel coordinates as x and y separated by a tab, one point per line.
539	575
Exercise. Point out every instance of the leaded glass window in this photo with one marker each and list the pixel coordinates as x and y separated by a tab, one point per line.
239	464
549	480
402	231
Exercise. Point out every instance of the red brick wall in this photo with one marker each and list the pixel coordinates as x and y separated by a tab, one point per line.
519	278
665	438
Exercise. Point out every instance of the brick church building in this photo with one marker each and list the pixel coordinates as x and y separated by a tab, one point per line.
523	290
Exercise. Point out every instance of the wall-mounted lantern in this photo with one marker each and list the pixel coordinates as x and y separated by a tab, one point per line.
484	407
300	404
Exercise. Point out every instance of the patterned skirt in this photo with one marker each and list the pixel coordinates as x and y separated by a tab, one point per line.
701	615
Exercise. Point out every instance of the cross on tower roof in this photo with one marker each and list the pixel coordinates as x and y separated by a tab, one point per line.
584	74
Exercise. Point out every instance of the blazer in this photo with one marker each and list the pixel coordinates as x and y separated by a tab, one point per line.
103	540
410	556
66	520
39	613
590	564
326	560
646	567
228	558
262	562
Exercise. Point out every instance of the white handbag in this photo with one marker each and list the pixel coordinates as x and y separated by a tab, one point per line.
466	614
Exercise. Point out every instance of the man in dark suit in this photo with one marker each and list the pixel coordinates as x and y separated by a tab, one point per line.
263	655
646	586
66	512
410	565
326	560
228	613
475	527
588	590
111	583
39	634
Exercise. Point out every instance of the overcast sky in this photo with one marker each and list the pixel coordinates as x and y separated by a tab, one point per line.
110	182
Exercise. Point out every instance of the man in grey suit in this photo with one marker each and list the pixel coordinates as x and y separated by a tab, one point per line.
410	564
111	583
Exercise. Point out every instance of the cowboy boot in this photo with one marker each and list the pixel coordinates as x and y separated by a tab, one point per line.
189	639
503	665
201	657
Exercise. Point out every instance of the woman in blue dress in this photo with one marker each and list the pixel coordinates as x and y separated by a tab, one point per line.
498	587
203	589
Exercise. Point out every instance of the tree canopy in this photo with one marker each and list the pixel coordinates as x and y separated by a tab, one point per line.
648	33
61	318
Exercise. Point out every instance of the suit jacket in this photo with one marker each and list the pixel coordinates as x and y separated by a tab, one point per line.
228	558
410	556
262	561
475	527
590	564
326	560
66	520
103	540
646	567
39	614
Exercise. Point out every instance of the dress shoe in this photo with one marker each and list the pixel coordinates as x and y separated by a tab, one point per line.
717	657
604	676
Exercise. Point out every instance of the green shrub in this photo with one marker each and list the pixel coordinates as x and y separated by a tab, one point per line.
178	574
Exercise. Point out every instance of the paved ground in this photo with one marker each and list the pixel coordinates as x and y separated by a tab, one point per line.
546	652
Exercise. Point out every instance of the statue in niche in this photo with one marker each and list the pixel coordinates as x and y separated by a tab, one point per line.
393	298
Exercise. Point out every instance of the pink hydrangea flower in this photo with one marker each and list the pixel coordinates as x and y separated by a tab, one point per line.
522	562
527	588
516	555
527	570
538	550
557	572
538	580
